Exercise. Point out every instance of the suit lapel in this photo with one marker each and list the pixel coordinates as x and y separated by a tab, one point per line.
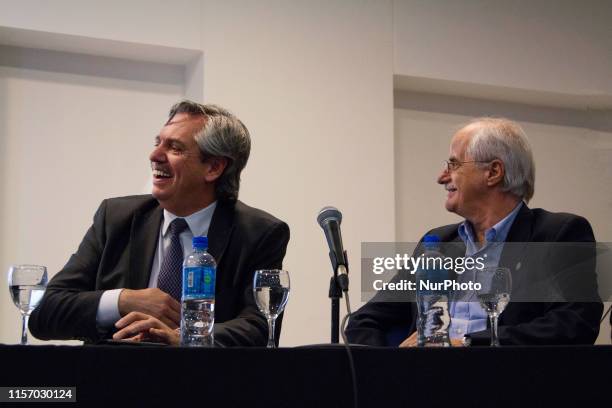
220	229
514	254
144	237
518	237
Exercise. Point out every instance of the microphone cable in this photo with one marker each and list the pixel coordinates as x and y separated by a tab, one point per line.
348	350
600	322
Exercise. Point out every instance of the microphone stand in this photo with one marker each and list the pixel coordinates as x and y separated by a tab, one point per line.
335	294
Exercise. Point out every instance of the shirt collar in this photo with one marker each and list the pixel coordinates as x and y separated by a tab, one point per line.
198	222
497	233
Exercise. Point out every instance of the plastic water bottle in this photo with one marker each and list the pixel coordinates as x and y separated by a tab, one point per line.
432	300
198	301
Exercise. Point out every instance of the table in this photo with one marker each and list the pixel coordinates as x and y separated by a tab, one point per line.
316	376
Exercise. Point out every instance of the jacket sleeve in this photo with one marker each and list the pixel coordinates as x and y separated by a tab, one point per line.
69	306
387	319
380	323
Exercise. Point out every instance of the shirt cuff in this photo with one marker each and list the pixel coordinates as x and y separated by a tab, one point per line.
108	309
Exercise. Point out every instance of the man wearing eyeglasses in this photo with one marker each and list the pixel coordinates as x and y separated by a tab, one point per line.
489	179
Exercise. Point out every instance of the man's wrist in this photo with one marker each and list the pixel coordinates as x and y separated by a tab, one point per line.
108	309
123	302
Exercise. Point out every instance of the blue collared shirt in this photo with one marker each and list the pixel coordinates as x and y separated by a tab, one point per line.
470	317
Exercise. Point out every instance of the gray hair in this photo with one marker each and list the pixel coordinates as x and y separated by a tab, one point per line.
503	139
223	135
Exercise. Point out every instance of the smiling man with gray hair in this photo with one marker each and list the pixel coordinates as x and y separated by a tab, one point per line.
126	272
489	178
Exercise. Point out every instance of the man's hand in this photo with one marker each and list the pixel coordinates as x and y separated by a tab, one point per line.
138	326
457	343
411	341
153	302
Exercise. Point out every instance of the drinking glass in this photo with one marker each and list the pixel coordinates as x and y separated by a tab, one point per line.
27	285
494	294
271	292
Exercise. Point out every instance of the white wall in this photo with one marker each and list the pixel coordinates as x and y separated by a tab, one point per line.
312	81
155	22
559	46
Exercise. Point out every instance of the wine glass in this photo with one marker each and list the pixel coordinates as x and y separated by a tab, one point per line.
494	294
271	292
27	285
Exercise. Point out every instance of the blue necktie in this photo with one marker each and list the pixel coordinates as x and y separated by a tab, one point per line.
170	278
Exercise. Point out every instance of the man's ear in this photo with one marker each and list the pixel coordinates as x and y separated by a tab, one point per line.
216	166
495	173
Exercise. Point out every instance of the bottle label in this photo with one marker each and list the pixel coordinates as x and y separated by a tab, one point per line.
199	282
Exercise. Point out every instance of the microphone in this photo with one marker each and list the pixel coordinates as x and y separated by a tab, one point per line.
329	219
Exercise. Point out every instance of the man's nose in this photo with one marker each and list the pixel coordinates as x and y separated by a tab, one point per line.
444	177
157	155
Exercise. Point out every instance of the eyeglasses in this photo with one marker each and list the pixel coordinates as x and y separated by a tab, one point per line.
450	166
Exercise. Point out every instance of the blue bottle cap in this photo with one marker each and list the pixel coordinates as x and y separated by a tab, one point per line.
431	241
200	242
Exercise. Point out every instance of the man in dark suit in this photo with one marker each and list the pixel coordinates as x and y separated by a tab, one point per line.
123	266
489	178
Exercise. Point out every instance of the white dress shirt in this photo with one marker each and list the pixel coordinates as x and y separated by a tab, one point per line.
198	223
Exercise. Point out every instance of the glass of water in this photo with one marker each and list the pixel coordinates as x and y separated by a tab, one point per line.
271	292
27	285
494	294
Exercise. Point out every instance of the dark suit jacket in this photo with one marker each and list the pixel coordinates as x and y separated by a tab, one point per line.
523	322
117	252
